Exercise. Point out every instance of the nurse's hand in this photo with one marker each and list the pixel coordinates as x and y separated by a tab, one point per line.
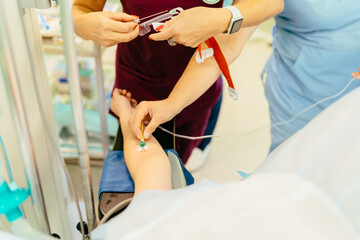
356	74
106	28
194	26
153	112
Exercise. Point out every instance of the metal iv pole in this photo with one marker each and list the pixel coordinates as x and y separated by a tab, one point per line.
76	101
101	99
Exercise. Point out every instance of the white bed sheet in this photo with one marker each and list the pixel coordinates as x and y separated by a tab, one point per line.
327	152
266	206
9	236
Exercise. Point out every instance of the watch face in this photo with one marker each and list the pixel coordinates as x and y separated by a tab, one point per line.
236	26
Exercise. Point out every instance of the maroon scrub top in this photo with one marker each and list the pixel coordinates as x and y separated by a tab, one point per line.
150	70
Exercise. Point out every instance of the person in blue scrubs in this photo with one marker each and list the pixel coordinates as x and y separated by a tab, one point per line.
316	48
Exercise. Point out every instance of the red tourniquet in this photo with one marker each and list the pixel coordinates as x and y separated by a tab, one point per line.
220	59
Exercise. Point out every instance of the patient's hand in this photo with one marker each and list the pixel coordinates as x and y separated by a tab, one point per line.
356	74
120	105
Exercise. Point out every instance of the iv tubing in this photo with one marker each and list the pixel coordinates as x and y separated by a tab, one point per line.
11	177
117	207
266	126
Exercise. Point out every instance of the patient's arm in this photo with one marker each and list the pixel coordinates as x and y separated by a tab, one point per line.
150	169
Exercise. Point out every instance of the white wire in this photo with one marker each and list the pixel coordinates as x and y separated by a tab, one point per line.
188	137
266	126
113	210
314	105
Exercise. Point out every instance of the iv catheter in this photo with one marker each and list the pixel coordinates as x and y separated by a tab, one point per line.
266	126
142	147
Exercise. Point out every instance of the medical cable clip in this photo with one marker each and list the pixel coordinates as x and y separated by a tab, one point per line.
11	199
145	27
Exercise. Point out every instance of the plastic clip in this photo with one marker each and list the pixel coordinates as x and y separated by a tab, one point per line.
233	93
200	58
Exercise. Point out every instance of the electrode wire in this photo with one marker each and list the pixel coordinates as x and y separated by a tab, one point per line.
266	126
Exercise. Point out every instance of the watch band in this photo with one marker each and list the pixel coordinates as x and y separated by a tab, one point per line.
236	18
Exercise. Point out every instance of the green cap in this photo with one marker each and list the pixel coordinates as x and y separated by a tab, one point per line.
142	143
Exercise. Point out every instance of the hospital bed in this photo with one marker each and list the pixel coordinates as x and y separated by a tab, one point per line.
308	188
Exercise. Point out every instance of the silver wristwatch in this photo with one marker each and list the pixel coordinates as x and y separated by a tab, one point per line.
236	20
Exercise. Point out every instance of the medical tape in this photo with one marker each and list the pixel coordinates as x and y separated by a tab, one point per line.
266	126
204	54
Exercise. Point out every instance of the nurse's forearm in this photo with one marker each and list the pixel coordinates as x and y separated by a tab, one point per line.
81	7
195	25
104	28
258	11
198	78
254	12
